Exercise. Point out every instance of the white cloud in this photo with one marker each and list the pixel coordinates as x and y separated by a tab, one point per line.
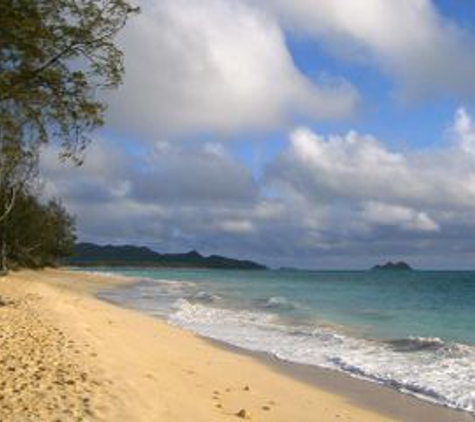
464	131
393	215
344	195
203	174
353	166
426	53
360	168
237	226
166	174
215	65
357	176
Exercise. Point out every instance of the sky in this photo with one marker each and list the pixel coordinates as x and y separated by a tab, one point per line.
320	134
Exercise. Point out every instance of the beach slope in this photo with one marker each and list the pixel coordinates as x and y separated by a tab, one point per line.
67	356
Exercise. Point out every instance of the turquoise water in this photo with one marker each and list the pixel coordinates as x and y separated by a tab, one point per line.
411	330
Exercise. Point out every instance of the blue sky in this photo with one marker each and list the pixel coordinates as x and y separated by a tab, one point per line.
418	124
313	133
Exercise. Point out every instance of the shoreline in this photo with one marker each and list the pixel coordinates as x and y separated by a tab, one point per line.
382	399
363	392
144	369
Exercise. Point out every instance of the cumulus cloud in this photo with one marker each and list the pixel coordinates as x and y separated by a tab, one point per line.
236	226
358	167
167	194
164	174
351	195
320	198
215	66
393	215
410	40
200	174
463	131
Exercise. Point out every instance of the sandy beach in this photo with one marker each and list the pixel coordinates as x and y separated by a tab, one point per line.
67	356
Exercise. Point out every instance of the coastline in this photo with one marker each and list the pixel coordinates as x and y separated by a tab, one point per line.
360	392
122	365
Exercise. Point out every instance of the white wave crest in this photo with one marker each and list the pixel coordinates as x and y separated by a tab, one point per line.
428	368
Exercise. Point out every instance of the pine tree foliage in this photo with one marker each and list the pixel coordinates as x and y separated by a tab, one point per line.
56	57
38	234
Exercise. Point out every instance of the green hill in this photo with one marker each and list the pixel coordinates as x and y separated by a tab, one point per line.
91	255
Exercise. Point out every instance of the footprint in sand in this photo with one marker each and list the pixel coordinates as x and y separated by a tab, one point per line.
243	414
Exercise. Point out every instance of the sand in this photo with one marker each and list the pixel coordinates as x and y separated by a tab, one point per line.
66	356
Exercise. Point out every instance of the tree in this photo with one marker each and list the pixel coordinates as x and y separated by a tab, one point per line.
17	170
38	234
56	56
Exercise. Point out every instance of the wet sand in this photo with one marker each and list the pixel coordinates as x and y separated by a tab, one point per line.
67	356
384	400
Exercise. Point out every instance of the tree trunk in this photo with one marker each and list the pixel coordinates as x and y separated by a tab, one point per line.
7	209
3	254
8	206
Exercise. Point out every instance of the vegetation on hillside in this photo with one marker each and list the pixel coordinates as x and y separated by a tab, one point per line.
55	58
91	255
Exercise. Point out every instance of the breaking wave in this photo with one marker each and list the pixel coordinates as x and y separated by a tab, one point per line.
277	302
428	368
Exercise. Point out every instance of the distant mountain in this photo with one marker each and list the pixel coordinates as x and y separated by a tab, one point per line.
91	255
393	266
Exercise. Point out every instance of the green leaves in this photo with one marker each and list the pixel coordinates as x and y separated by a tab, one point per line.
55	55
38	234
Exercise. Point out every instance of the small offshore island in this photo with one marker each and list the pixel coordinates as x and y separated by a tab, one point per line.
393	266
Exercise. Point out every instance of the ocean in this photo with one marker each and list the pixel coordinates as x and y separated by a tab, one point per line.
410	330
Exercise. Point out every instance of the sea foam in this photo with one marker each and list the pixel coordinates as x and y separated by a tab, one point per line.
428	368
264	320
